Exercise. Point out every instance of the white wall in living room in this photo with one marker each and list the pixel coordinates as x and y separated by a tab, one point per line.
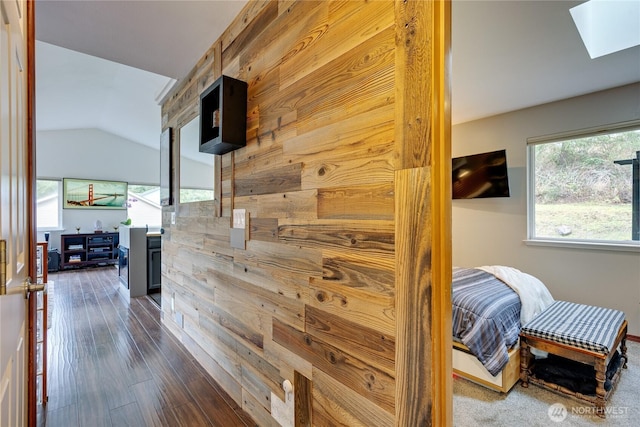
492	231
93	154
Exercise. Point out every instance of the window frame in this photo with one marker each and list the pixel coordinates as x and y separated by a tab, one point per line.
610	245
130	191
60	226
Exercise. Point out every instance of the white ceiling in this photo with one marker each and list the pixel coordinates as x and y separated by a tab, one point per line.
506	55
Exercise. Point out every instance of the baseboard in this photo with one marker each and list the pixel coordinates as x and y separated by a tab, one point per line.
633	338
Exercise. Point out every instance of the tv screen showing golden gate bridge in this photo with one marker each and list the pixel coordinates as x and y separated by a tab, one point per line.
94	194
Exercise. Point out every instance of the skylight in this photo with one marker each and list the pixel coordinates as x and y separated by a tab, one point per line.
608	26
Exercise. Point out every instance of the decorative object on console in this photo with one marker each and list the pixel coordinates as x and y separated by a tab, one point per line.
97	227
94	194
223	116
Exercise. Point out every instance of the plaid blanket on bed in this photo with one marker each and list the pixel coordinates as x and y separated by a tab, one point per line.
486	316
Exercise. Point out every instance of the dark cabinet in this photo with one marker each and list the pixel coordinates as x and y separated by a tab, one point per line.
82	250
153	264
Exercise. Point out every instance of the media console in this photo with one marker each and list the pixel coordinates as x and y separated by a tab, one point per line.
84	250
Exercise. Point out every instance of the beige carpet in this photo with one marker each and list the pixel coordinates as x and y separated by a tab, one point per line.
474	405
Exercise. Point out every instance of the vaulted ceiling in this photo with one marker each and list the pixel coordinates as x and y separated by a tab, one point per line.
104	64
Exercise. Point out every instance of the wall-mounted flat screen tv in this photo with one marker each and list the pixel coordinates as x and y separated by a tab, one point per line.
480	175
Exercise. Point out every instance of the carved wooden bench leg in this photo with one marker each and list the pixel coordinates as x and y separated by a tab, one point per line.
601	375
623	350
525	362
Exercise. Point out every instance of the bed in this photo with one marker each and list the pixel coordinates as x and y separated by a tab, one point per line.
490	303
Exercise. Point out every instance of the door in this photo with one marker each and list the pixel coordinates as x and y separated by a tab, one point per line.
15	214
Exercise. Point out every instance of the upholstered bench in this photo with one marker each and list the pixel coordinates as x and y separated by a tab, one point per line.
582	333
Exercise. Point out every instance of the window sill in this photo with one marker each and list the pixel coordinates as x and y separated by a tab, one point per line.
602	246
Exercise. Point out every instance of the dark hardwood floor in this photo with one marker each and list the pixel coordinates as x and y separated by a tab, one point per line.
114	364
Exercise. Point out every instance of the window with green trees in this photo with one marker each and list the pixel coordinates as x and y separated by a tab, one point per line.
584	187
48	204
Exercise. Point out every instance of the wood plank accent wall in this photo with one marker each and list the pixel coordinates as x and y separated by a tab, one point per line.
347	135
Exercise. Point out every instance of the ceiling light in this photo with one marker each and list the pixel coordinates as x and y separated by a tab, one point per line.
608	26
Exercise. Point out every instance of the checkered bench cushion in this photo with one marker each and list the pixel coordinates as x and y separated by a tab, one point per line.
583	326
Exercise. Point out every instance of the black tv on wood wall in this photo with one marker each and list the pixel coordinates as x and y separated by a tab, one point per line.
480	175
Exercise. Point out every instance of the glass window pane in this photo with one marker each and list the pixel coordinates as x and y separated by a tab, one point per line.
188	195
48	203
143	205
583	187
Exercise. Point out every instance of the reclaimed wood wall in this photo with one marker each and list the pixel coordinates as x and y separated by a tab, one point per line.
336	128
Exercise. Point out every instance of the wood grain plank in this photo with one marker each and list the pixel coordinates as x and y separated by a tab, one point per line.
154	408
266	153
295	28
414	284
360	306
112	347
63	353
91	409
227	400
219	344
282	257
66	416
256	386
374	202
257	311
330	409
127	415
364	135
189	414
283	179
296	204
303	398
266	372
245	28
209	362
288	285
257	411
360	82
287	360
365	343
213	404
264	229
372	237
348	26
361	378
232	324
360	270
134	366
423	144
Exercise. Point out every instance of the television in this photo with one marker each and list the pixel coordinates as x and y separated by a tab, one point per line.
480	175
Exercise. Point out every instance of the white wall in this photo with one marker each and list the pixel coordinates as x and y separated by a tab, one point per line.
492	231
93	154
